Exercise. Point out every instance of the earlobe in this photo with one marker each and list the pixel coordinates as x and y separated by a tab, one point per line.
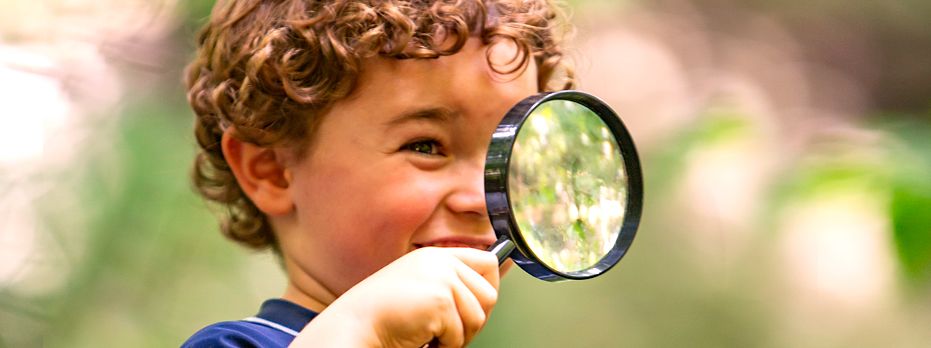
261	174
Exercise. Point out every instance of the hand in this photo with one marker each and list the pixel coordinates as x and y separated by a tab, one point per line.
443	295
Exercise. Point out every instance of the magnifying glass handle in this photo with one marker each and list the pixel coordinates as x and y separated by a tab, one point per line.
502	249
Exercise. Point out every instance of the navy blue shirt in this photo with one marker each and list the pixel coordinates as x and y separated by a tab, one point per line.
276	325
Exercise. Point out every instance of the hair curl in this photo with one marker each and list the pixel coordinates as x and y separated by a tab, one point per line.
266	69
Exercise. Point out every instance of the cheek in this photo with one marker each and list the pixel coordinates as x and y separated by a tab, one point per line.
403	202
360	219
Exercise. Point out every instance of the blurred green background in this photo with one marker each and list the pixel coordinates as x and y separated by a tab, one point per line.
786	149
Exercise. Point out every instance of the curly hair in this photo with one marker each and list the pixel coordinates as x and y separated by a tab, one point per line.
267	69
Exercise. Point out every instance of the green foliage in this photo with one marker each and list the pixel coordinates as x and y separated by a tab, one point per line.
718	125
910	203
153	266
911	224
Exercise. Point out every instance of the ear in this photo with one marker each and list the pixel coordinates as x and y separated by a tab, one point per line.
261	174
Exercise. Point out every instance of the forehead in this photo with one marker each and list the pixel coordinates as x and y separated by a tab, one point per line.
460	77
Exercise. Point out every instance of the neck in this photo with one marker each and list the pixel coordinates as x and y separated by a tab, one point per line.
306	291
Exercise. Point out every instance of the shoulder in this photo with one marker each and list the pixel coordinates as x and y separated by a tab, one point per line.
240	334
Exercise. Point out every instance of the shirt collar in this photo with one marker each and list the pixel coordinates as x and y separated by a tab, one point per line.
286	313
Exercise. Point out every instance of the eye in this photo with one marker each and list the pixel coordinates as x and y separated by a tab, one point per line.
426	147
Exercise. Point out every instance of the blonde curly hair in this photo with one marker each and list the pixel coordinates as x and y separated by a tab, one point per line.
266	69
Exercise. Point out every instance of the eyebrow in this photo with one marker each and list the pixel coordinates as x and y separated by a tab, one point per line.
432	114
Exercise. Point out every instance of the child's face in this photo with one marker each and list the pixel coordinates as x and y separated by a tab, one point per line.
396	166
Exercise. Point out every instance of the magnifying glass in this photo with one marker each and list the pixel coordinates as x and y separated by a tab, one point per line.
563	186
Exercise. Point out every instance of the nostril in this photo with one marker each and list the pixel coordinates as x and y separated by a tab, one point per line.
467	203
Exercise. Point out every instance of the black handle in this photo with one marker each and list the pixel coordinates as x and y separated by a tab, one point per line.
502	249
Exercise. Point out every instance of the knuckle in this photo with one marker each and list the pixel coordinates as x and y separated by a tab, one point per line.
439	299
479	321
492	299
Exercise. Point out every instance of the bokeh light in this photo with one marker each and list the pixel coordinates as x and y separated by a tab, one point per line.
786	149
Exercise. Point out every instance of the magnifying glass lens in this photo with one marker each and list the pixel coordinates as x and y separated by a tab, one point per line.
568	186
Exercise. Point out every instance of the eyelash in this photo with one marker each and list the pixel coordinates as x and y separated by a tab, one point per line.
412	147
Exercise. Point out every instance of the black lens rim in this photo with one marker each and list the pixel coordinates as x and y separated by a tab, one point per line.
498	201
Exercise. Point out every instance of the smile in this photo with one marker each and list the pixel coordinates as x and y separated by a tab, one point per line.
454	244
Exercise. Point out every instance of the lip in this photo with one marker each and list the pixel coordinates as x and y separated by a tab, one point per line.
457	242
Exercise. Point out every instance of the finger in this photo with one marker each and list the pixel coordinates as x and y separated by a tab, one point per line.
475	306
505	267
483	291
472	313
483	262
450	333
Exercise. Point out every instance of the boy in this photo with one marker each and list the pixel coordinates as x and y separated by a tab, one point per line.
350	137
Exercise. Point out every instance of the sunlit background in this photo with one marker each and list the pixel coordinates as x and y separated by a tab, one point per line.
786	150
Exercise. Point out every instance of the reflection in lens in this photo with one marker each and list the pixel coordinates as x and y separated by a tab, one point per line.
567	185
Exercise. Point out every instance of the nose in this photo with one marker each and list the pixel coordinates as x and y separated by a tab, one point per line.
468	195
